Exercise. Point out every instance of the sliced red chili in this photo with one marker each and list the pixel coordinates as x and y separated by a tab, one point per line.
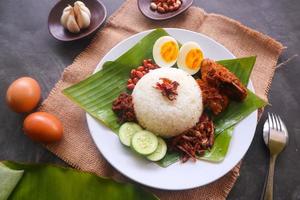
168	88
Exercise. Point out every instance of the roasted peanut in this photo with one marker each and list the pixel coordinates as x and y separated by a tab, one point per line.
139	74
153	6
130	86
164	6
160	9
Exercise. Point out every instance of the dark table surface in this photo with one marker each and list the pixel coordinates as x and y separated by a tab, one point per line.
27	49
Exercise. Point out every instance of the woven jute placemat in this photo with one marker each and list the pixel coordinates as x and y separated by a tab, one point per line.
77	147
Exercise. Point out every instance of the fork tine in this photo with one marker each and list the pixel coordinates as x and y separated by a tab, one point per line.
270	121
283	127
275	122
278	123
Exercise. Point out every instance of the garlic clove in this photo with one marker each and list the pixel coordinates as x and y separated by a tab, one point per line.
65	15
83	18
71	23
76	18
86	10
79	3
83	7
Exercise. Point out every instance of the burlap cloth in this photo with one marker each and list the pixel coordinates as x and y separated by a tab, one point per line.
77	147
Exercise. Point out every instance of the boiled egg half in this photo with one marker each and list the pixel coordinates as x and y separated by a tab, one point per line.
165	51
190	57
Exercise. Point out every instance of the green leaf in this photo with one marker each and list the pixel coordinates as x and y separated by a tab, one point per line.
220	148
169	159
237	111
96	93
9	179
50	182
241	67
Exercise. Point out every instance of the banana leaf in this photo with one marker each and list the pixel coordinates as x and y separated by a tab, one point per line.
220	148
237	111
241	67
96	93
9	179
50	182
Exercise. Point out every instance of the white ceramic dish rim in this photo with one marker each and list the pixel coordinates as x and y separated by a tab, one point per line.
250	126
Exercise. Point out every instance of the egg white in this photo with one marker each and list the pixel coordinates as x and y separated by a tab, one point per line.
159	60
184	50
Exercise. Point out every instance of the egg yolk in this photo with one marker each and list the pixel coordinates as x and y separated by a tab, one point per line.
194	58
169	51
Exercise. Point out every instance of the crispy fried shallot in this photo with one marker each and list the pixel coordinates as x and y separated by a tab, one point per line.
168	88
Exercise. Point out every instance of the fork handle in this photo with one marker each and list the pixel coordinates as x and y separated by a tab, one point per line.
268	193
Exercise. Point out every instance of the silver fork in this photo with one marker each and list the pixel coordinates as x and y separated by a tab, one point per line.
276	138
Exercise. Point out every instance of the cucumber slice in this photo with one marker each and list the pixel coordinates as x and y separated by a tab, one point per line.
126	131
160	151
144	142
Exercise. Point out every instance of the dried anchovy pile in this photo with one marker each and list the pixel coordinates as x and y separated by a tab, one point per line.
168	88
138	73
123	107
195	141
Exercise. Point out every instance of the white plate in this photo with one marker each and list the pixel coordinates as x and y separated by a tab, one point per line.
177	176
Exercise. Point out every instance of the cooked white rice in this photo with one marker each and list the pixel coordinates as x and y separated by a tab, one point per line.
158	114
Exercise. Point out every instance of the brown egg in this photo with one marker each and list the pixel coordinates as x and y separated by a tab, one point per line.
43	127
23	94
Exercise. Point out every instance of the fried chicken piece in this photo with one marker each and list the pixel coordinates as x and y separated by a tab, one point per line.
212	98
221	78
